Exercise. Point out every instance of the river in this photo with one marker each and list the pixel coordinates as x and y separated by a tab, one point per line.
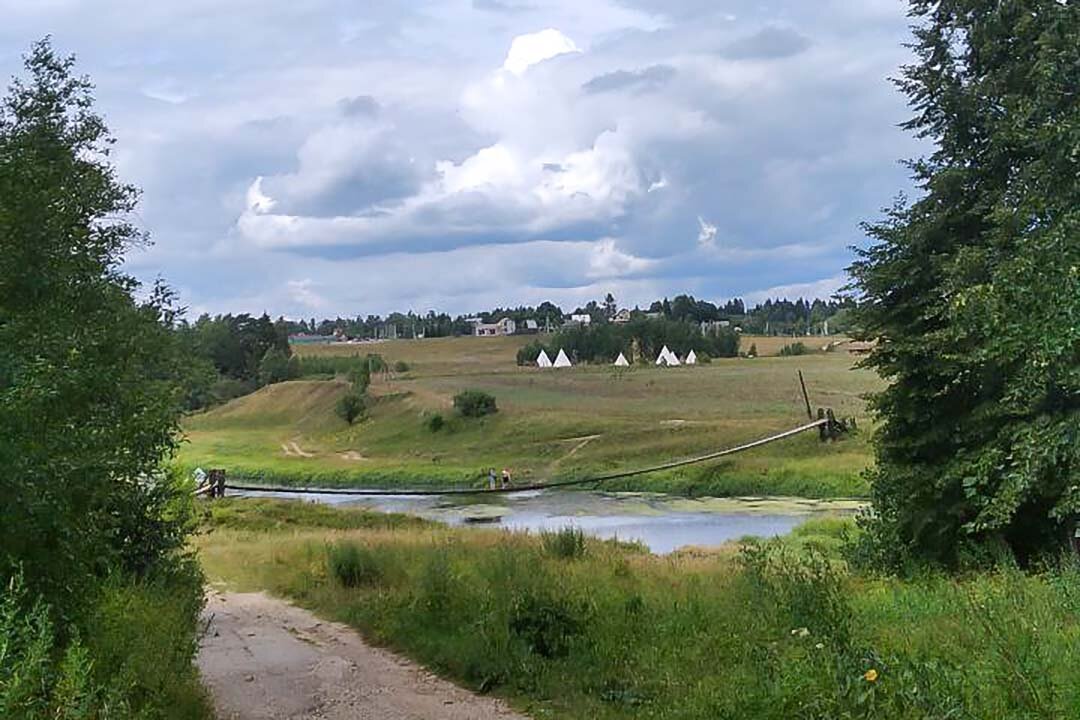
661	522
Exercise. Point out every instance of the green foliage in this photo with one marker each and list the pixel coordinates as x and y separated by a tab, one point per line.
351	406
376	363
567	543
753	351
793	349
101	620
134	662
527	354
475	403
973	292
547	625
274	367
434	423
353	565
92	395
401	367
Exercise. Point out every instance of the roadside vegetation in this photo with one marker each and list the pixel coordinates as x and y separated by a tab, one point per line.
99	596
570	627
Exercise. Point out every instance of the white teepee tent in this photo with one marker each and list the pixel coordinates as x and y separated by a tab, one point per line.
691	359
664	358
621	361
562	361
543	360
673	359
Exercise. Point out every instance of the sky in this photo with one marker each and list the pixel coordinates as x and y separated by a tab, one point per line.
324	157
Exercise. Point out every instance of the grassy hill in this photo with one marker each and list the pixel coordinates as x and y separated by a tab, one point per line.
550	424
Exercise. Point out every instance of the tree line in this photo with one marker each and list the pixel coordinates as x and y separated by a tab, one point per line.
640	340
772	317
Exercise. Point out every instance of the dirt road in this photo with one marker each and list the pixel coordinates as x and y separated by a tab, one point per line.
264	659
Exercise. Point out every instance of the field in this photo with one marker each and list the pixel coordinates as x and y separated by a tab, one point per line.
550	424
566	627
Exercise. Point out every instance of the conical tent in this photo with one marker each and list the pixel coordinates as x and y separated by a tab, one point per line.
665	357
621	361
562	361
673	359
691	359
543	360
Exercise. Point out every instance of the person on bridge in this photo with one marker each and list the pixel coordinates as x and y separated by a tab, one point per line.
506	477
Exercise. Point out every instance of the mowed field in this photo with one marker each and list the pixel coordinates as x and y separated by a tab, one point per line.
551	424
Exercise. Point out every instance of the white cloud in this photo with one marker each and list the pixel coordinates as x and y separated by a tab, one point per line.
259	202
706	233
824	289
528	50
301	293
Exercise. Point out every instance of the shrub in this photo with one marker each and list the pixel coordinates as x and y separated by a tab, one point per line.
353	565
793	349
547	625
274	367
359	375
527	354
376	363
401	366
704	358
435	423
567	542
351	406
753	350
475	403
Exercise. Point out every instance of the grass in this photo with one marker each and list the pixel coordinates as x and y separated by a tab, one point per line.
550	424
780	630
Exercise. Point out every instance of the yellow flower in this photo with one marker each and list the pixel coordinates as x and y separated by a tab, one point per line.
870	675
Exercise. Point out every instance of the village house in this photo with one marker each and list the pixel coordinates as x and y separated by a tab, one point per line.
582	319
622	317
506	326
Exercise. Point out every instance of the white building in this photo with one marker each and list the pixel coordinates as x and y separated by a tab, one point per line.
506	326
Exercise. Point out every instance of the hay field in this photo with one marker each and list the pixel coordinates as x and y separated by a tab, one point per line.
551	423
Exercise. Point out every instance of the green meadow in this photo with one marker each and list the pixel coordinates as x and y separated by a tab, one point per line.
551	424
565	626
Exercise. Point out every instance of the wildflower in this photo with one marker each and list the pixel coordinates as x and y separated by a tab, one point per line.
800	632
870	675
820	646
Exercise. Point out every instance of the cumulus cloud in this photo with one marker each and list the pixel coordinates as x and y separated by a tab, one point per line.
528	50
456	155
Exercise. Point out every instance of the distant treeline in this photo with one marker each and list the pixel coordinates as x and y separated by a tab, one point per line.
772	317
640	340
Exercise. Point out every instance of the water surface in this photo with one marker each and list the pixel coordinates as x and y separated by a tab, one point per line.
662	522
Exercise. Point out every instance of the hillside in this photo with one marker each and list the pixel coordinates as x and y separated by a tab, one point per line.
550	423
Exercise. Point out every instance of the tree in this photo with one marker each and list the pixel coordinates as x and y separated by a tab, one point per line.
90	392
610	306
973	291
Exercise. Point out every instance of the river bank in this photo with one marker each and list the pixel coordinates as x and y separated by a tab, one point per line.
604	630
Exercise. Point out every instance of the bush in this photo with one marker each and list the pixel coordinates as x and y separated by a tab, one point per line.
351	406
567	543
435	423
548	625
475	403
353	565
401	366
753	351
376	363
274	367
527	354
793	349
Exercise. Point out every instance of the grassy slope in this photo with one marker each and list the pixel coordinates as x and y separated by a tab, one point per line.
551	423
685	636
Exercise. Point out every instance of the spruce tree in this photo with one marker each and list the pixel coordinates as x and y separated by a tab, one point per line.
973	291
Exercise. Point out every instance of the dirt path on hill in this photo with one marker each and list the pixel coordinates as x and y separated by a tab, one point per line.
264	659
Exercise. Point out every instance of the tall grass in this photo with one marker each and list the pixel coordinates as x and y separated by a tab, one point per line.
783	630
